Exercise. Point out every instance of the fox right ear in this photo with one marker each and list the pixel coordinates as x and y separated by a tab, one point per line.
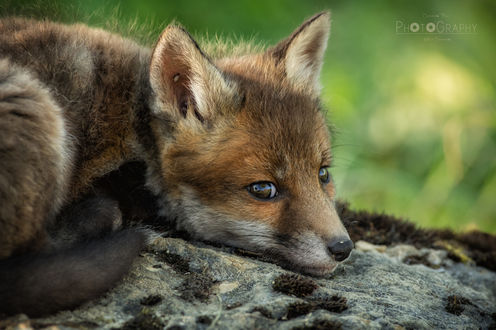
302	53
187	84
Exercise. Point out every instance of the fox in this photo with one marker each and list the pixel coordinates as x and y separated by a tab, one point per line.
235	149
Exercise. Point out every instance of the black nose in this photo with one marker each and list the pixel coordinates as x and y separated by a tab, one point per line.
340	248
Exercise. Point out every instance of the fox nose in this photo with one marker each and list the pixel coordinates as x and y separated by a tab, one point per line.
340	248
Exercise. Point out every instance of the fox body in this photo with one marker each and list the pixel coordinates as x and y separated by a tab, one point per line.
236	149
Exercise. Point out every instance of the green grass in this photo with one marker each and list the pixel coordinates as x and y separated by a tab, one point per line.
415	114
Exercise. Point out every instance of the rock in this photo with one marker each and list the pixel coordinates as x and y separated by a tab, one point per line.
190	285
413	256
368	247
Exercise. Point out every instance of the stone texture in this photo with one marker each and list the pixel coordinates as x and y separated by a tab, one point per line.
177	284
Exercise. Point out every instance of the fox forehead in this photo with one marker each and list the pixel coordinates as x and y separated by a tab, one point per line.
286	136
269	132
275	134
285	127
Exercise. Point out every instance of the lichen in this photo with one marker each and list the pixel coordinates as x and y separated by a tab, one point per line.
292	284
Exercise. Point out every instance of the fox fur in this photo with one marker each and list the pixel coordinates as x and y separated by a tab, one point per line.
77	103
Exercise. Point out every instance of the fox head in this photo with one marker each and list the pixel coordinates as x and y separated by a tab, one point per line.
244	150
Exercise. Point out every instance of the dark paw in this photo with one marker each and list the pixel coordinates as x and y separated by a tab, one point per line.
92	217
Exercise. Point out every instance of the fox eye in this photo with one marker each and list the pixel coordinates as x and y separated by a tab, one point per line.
324	175
263	190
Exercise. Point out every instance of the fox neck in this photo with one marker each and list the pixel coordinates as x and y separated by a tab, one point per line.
118	128
132	134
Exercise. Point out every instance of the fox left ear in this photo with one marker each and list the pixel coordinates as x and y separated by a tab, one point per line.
302	53
187	84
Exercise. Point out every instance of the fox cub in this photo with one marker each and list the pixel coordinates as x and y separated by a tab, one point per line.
236	149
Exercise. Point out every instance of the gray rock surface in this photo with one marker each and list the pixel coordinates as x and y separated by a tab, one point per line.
191	285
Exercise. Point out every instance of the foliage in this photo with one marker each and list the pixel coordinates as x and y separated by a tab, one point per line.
416	113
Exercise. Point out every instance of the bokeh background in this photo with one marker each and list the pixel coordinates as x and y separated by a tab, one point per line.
415	113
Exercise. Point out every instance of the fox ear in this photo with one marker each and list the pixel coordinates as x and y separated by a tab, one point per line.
187	84
302	53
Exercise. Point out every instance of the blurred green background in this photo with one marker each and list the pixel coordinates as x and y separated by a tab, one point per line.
415	113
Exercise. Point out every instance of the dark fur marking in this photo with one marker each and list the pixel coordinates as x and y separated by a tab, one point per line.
243	101
42	284
199	116
141	124
196	45
92	217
